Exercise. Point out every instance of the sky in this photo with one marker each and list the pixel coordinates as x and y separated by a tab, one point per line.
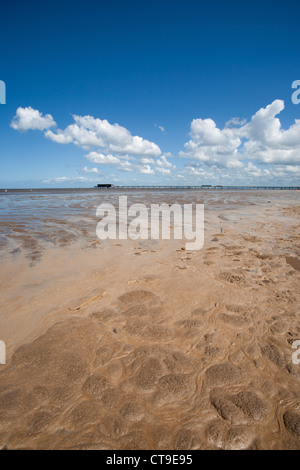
160	92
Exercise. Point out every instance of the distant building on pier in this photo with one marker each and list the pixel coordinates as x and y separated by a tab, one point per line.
104	186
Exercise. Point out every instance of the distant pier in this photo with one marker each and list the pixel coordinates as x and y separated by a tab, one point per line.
202	187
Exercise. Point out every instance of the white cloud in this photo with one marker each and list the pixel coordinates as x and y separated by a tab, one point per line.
89	170
261	139
66	179
125	166
31	119
89	132
147	160
70	178
148	166
211	145
102	159
267	141
235	122
249	174
257	151
163	166
162	162
145	169
161	128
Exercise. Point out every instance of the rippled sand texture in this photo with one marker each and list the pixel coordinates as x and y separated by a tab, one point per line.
144	345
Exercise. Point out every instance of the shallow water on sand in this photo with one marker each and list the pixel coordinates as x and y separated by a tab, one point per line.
30	217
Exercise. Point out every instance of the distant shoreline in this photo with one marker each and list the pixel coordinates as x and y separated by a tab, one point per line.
170	188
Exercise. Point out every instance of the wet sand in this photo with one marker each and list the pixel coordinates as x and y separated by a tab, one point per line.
143	344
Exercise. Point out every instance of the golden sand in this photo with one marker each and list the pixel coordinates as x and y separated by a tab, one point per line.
144	345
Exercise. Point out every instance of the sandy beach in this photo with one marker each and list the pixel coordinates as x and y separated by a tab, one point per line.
123	344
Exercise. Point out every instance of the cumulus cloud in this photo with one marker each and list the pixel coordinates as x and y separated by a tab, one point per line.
235	122
145	169
262	139
102	159
248	174
211	145
147	166
147	160
125	166
163	166
162	162
140	168
89	170
267	141
31	119
107	144
257	151
89	132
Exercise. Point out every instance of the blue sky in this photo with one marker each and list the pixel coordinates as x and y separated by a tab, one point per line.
152	92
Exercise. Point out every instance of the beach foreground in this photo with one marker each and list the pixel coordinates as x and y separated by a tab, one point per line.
129	344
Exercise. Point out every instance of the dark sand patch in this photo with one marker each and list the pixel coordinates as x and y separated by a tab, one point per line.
294	262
